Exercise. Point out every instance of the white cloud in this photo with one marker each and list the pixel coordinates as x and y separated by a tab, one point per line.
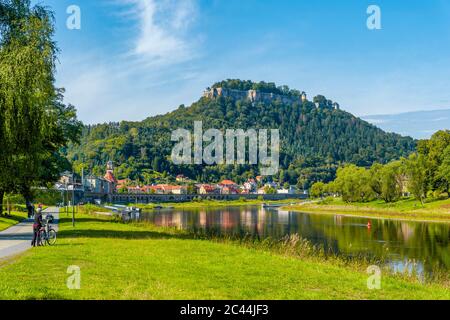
375	121
115	85
439	119
162	27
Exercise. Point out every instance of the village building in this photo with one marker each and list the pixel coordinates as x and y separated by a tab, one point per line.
175	189
122	183
229	187
249	186
208	189
66	178
98	185
261	191
229	190
159	189
290	190
156	189
134	190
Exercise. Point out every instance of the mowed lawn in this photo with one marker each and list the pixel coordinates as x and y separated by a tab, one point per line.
119	261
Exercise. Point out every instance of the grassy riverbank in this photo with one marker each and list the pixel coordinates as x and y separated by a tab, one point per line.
213	204
408	209
15	218
126	261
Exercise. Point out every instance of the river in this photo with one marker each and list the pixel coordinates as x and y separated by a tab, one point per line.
406	245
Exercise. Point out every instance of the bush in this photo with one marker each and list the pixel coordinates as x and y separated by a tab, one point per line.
439	195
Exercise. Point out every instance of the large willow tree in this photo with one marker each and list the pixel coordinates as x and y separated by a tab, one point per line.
34	122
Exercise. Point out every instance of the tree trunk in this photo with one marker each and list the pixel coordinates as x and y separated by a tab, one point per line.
8	205
2	194
26	193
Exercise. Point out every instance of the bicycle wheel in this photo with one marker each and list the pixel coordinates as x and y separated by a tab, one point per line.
42	238
51	237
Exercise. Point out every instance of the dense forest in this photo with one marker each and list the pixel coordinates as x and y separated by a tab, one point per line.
315	141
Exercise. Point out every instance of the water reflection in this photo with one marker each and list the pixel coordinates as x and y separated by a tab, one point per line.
427	244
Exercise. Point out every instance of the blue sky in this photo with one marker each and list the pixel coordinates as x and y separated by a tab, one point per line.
137	58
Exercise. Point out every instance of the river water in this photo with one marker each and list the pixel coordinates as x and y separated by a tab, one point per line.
406	245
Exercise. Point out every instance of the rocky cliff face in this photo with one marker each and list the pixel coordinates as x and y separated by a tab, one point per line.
252	95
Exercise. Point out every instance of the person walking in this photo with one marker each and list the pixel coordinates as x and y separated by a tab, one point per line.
37	225
30	209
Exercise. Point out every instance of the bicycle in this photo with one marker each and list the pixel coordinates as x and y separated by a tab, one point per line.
47	235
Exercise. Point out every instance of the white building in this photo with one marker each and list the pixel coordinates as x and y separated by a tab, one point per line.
291	190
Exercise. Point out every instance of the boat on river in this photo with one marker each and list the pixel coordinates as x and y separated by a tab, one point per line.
273	205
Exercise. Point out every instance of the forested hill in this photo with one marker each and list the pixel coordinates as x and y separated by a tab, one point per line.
315	137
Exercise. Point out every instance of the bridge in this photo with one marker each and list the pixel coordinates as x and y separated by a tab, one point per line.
161	198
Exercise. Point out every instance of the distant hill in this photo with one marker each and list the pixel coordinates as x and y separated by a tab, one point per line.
316	136
419	125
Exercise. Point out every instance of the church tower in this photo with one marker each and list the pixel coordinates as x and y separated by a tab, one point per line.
109	176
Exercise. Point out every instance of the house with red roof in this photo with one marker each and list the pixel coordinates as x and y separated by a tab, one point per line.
227	183
208	189
229	187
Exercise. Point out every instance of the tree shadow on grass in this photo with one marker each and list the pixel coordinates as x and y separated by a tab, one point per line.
118	234
47	297
13	218
64	219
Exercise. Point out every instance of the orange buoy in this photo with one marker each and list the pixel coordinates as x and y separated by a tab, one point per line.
369	225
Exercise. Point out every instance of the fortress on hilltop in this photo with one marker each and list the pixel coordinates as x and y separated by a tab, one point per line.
259	96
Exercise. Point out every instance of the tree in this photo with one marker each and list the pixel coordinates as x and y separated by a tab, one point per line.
391	186
353	183
416	170
433	149
317	190
376	178
270	190
444	169
35	124
191	189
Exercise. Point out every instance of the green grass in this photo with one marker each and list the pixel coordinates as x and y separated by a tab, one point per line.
121	261
407	209
15	218
214	204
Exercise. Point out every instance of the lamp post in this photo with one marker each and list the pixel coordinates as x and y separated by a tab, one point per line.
73	200
66	199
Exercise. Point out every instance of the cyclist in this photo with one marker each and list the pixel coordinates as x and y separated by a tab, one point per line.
37	225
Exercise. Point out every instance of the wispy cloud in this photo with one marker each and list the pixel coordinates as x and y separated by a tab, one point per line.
163	26
375	121
136	79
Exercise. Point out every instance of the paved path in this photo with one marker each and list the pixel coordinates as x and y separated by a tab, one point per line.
17	239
